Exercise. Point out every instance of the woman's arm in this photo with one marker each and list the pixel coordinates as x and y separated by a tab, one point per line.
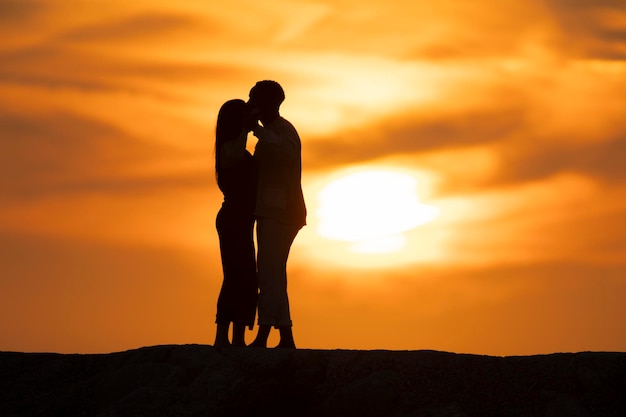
233	151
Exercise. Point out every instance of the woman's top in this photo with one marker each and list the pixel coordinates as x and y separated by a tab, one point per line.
238	183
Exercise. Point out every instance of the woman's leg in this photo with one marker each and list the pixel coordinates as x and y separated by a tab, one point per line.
238	296
239	331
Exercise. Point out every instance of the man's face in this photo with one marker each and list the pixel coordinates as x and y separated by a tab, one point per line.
259	106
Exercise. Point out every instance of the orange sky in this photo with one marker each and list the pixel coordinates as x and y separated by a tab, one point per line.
508	115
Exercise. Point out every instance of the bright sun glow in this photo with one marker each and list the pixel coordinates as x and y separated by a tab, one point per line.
372	209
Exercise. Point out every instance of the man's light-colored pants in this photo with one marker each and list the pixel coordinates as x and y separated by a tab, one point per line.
274	241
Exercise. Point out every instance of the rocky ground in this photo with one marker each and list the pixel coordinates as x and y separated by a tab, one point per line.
196	380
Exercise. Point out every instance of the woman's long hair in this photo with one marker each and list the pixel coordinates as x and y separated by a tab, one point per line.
229	126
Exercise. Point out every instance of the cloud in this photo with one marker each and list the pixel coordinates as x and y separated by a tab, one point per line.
417	30
16	13
158	50
590	28
408	135
522	154
61	152
603	161
534	122
144	27
55	66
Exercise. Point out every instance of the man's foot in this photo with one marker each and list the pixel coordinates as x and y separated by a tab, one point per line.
221	344
286	345
286	338
258	344
261	338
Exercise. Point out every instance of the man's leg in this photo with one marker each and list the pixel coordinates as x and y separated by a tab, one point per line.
274	241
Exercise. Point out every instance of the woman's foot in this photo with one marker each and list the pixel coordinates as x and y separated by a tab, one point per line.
239	331
221	336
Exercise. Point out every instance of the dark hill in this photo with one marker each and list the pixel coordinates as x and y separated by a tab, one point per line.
195	380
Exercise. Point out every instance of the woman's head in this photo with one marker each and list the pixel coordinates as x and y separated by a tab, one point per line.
230	121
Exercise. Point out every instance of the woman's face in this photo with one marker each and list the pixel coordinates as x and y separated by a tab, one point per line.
231	119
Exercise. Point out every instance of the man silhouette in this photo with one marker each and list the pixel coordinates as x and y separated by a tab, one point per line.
280	209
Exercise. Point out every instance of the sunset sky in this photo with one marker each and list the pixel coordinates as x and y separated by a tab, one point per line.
464	169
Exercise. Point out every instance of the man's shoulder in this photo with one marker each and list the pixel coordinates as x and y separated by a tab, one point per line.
282	127
282	124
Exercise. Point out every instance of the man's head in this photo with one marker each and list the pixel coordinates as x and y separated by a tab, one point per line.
266	97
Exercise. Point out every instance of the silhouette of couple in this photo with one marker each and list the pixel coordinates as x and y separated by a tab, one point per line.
266	188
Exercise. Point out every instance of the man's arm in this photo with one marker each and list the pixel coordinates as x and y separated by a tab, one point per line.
266	135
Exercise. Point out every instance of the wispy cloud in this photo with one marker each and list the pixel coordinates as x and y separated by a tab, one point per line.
18	12
148	27
66	152
413	135
590	29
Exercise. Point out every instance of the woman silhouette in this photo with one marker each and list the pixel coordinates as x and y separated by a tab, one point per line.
236	173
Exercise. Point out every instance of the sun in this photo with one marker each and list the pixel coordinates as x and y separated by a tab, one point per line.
371	209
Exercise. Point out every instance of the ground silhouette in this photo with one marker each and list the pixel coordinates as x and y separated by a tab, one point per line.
198	380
